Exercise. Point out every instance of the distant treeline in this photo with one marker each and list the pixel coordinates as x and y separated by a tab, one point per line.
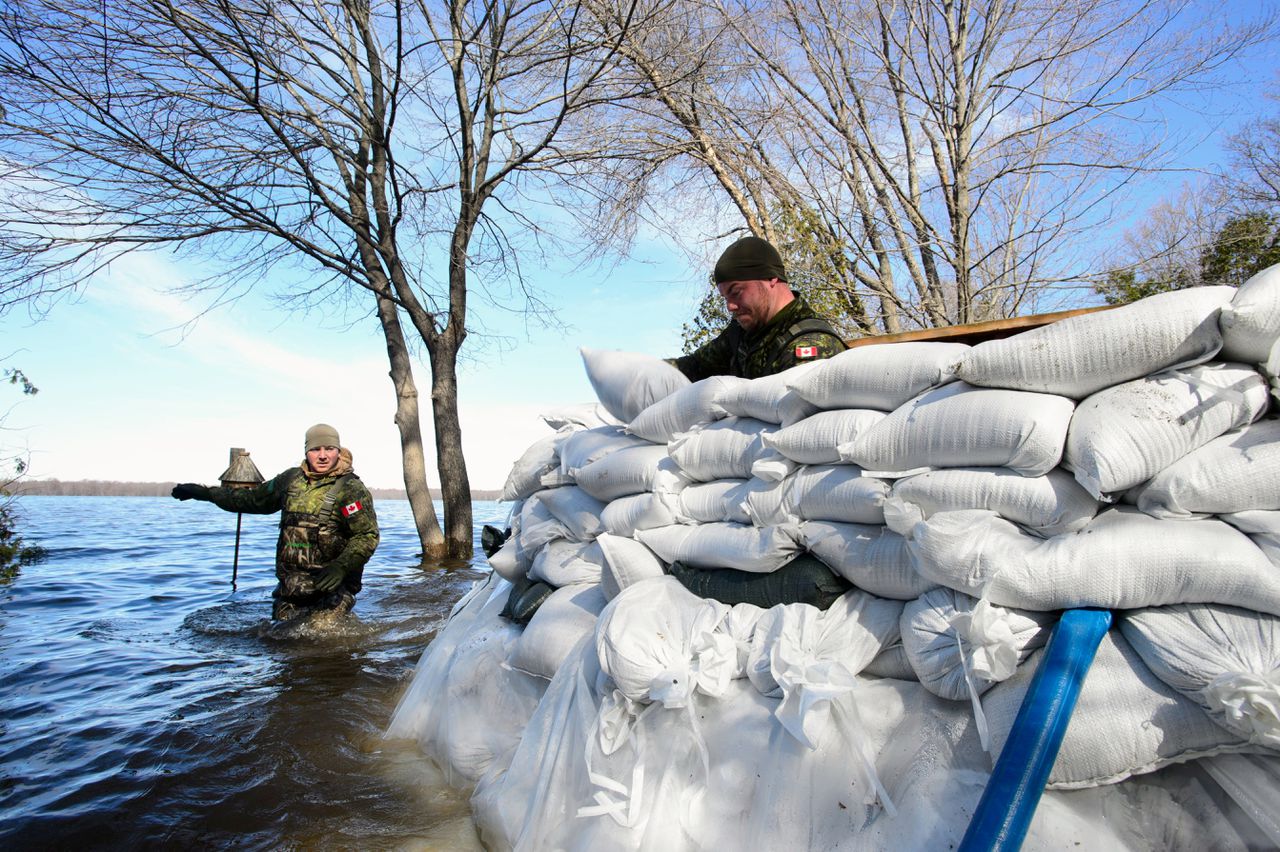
112	488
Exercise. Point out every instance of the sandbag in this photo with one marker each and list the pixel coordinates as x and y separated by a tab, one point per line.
803	580
807	657
625	515
632	470
526	595
582	447
542	457
587	415
891	662
1124	435
694	405
879	376
773	466
725	545
1225	659
837	492
1126	721
722	450
1124	559
565	618
531	529
873	558
959	647
626	562
627	383
568	563
1251	322
769	398
659	643
718	500
1045	505
814	439
1236	472
958	425
577	510
1080	355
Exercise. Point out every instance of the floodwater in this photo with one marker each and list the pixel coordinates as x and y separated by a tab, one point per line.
144	703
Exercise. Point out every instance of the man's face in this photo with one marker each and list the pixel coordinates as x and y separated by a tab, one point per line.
322	459
752	303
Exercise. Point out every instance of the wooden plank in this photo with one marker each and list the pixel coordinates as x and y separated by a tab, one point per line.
976	332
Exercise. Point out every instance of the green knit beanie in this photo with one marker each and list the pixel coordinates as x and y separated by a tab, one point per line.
322	435
750	259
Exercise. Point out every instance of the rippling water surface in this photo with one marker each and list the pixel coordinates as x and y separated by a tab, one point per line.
145	703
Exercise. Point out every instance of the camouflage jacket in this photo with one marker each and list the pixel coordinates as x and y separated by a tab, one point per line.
795	335
351	516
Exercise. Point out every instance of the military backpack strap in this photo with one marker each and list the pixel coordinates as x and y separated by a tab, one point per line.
783	342
331	496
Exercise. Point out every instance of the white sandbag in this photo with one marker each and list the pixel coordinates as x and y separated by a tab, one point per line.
659	643
1124	435
625	515
1083	354
1124	559
880	376
506	562
725	545
891	662
1126	721
769	398
633	470
722	450
1251	322
718	500
626	562
960	647
694	405
532	528
563	620
587	415
576	509
773	466
1225	659
584	446
740	626
958	425
838	492
627	383
1235	472
1046	505
541	458
807	656
764	502
465	710
873	558
814	439
568	563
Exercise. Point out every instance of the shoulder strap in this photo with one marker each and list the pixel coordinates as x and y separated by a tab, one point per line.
331	496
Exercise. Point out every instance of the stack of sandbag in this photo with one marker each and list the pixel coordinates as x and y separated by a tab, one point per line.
900	520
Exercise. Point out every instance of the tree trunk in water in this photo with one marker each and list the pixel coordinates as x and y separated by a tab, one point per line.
413	461
455	487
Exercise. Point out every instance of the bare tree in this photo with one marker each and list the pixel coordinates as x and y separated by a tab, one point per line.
358	141
959	152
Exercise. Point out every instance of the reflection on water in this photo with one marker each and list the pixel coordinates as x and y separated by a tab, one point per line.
145	703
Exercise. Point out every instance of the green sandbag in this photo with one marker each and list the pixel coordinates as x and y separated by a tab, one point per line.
525	598
804	579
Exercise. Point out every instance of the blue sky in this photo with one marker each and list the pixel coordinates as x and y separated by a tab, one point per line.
125	396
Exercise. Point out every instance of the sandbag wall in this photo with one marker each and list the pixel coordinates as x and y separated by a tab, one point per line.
917	512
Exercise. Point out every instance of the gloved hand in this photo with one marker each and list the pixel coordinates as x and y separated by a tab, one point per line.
330	578
189	491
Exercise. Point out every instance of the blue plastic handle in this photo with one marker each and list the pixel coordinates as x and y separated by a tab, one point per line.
1009	801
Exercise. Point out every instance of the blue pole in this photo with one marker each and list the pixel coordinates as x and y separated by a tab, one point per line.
1009	801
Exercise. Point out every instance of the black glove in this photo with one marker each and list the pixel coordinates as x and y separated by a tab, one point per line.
189	491
330	578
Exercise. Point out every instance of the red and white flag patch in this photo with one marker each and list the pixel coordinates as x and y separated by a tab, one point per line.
351	508
806	352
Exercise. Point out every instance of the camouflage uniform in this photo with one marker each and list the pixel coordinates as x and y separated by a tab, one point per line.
323	521
795	335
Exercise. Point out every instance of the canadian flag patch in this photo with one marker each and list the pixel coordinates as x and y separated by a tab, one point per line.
351	508
806	352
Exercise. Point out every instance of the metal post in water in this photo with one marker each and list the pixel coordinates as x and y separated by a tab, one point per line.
240	473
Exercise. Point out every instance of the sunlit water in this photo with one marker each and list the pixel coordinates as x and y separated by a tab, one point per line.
144	703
